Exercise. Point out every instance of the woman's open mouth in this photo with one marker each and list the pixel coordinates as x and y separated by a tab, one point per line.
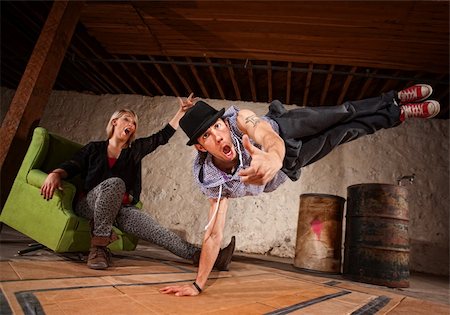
127	131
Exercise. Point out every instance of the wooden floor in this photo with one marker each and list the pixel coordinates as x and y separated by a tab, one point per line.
44	283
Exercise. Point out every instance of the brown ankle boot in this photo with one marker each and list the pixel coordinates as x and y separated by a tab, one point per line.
223	259
99	255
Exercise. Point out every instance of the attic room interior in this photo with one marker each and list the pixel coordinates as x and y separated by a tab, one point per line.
364	229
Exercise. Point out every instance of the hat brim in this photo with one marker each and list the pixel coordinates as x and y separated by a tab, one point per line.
204	126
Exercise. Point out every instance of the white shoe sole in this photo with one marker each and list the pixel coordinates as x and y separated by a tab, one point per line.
433	108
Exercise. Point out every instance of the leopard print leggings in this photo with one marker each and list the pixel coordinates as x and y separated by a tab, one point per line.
103	205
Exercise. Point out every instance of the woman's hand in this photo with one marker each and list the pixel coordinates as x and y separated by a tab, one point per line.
180	290
51	183
187	103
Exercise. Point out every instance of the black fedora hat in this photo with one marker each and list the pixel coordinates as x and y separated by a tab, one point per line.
198	119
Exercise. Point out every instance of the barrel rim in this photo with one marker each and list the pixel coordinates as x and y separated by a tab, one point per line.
322	195
376	185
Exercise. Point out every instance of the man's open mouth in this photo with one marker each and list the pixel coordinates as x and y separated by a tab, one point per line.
227	150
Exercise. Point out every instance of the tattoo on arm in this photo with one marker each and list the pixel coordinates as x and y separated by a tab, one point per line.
253	119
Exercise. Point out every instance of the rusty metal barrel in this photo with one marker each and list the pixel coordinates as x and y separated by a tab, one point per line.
319	233
376	248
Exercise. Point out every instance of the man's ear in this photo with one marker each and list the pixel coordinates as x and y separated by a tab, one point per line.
199	147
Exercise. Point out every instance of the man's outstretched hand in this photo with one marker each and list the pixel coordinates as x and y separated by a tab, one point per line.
264	165
180	290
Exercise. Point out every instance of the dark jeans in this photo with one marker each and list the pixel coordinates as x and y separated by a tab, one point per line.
310	133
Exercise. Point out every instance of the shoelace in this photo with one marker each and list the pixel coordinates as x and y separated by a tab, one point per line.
413	110
409	95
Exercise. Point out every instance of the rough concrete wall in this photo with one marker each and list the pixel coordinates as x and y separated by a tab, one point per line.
268	223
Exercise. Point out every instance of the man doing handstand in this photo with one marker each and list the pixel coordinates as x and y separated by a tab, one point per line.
240	154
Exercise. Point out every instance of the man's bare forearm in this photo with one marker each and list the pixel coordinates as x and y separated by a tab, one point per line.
212	241
262	133
210	251
273	144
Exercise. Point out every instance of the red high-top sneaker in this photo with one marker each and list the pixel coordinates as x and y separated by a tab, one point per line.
425	109
415	93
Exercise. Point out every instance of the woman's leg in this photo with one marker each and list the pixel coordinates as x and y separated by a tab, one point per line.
102	204
142	225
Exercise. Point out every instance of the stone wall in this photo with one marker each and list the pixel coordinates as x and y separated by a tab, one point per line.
267	224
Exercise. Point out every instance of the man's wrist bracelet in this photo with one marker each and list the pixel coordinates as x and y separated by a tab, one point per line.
197	287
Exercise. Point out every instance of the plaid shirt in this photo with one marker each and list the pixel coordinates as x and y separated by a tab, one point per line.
210	178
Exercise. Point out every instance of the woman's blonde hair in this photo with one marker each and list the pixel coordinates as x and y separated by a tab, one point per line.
117	115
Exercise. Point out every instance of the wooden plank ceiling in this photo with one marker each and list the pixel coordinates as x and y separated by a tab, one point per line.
300	52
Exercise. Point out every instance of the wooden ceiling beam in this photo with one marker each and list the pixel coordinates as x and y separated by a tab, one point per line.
180	76
60	86
148	77
153	36
269	81
288	83
105	64
161	72
33	27
97	70
233	80
326	85
13	69
135	79
346	86
248	66
86	73
390	83
216	81
36	84
64	80
93	48
308	84
197	77
10	74
366	86
23	33
411	82
8	81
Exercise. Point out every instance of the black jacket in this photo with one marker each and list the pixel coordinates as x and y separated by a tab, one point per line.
91	162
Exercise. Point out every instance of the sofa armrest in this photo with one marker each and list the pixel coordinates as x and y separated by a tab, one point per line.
37	177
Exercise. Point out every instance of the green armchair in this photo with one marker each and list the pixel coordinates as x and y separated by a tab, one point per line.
51	223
